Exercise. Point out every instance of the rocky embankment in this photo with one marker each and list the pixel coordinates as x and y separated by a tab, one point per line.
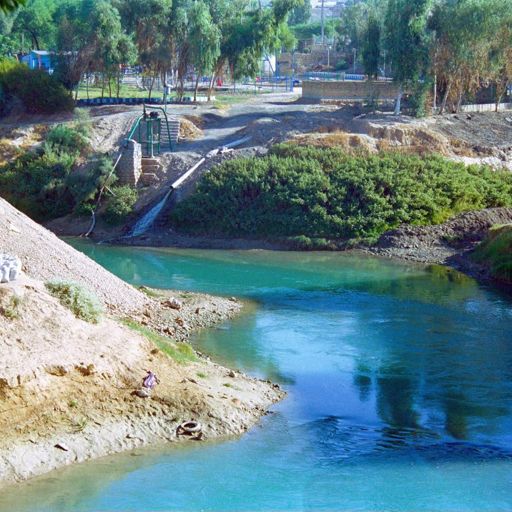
448	244
69	389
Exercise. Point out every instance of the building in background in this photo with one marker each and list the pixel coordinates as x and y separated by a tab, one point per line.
39	59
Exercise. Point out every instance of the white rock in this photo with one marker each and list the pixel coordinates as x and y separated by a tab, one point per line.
10	268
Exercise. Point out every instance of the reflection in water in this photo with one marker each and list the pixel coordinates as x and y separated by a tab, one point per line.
399	381
395	403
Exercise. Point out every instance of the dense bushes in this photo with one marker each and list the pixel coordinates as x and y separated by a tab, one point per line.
325	193
120	205
38	92
44	183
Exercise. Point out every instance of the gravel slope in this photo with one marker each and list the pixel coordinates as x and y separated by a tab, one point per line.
46	257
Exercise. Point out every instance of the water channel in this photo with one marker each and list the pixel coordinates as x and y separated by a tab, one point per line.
399	381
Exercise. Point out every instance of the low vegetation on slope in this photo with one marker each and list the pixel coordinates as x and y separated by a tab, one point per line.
314	193
82	303
496	252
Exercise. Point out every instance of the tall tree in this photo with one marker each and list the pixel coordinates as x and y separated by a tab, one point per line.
149	21
407	41
371	48
300	14
36	21
466	34
204	40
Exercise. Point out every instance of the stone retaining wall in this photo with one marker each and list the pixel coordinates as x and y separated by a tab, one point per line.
129	167
354	91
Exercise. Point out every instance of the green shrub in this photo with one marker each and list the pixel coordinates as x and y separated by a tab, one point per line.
67	139
75	297
39	92
120	205
325	193
496	252
43	183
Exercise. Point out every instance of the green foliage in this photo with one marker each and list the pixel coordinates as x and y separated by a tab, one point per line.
407	38
306	31
66	139
371	48
120	205
80	301
300	14
496	252
44	183
326	193
38	92
10	5
181	352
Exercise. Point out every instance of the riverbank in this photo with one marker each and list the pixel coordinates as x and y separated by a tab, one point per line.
69	387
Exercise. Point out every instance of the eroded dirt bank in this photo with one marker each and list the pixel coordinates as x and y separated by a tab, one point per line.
449	244
68	388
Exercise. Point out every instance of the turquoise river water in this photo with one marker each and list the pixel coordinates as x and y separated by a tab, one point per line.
399	380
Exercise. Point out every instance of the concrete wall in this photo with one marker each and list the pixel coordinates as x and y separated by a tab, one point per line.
355	91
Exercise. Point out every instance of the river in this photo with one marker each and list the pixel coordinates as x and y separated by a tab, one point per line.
400	392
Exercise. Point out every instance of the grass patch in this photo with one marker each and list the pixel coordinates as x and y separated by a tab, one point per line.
80	301
151	292
179	352
318	195
496	252
11	310
201	375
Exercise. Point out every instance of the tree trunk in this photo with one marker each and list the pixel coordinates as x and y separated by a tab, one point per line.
196	88
118	84
501	88
151	85
398	104
459	102
445	98
210	86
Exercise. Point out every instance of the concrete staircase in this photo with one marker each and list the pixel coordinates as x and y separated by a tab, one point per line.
150	169
174	129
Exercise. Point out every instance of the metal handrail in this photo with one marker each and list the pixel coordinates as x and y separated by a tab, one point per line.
164	112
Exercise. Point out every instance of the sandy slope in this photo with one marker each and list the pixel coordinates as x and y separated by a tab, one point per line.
70	383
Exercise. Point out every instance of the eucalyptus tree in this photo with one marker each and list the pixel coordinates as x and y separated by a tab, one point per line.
204	40
36	20
500	57
408	44
150	23
112	46
248	33
372	48
472	46
300	14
